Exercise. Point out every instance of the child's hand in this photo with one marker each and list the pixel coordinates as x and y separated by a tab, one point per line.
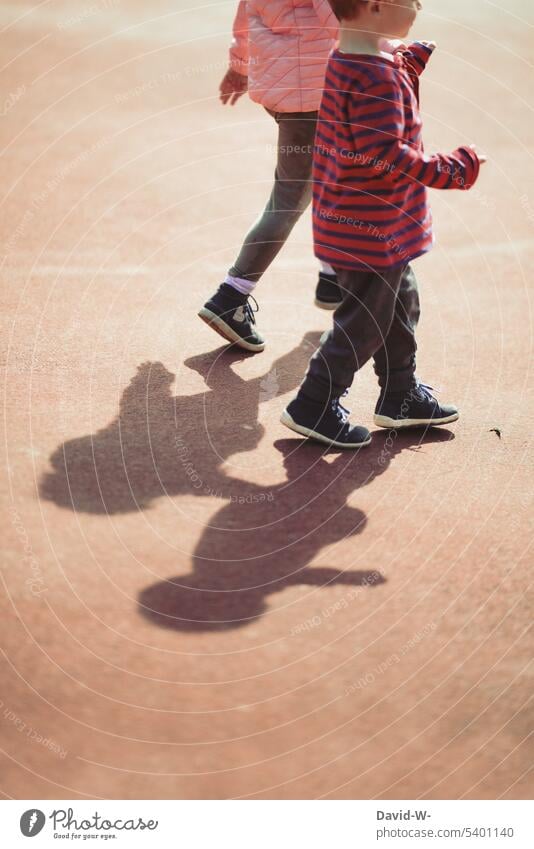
392	45
232	87
481	156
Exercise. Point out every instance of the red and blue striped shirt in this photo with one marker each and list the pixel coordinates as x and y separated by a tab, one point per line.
370	173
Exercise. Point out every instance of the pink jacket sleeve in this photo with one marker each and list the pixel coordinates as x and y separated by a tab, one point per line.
239	53
280	16
326	17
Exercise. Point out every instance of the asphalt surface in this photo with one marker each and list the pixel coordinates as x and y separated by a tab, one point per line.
197	604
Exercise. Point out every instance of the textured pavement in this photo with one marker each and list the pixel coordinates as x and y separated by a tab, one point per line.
196	604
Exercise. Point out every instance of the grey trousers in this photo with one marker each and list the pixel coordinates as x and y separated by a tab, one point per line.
376	318
289	198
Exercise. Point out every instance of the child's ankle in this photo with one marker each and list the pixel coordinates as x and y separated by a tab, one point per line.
311	399
240	284
232	293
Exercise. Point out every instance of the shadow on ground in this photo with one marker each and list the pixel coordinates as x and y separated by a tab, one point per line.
160	445
250	551
261	540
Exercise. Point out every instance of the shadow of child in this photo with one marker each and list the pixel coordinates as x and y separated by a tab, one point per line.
160	445
262	542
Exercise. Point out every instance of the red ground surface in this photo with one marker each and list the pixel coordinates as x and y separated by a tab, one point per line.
381	646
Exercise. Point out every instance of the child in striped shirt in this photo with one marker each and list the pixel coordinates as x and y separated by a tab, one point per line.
371	219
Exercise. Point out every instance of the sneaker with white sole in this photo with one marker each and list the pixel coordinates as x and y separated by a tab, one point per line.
414	407
328	295
229	313
325	422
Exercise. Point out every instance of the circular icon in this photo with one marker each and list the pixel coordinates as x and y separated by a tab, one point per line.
32	822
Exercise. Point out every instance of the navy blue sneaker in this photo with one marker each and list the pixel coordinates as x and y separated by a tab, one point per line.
325	422
412	408
229	313
328	295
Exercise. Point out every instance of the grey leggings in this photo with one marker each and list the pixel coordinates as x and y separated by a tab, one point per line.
289	198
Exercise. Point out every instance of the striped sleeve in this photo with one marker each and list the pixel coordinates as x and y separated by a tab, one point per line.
378	133
416	56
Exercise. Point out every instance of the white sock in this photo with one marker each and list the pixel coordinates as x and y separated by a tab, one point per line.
326	268
239	283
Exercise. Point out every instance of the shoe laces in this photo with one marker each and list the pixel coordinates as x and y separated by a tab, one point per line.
341	412
424	391
249	312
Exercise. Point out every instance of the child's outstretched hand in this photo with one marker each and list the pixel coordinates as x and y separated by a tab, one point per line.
481	156
233	86
392	45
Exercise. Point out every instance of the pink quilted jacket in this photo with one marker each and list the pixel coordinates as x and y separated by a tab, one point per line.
283	46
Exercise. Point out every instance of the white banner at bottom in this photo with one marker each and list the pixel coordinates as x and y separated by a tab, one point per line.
269	824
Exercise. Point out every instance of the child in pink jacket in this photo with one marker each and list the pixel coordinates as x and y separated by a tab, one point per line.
279	54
